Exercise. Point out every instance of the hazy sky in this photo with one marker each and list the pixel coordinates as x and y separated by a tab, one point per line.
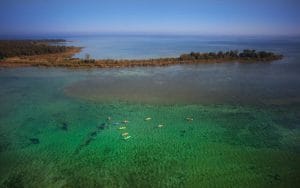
223	17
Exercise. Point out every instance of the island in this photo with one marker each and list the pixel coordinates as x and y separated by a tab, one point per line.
54	53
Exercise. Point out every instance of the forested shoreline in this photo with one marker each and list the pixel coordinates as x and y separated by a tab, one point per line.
13	48
53	52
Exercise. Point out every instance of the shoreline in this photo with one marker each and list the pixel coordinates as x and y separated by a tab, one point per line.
65	59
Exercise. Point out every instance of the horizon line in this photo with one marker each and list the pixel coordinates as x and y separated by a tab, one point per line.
81	34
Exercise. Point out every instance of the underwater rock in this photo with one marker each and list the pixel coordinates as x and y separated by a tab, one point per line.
64	126
91	136
102	126
34	140
4	146
87	141
275	177
182	132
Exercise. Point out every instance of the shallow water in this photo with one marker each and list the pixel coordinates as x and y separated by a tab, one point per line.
56	131
231	83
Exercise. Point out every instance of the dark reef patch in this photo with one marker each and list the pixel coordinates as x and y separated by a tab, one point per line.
182	132
91	136
14	181
102	126
34	140
4	146
64	126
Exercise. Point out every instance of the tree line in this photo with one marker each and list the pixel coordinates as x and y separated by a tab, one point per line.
232	54
12	48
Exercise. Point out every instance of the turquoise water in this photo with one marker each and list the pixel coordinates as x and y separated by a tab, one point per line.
212	125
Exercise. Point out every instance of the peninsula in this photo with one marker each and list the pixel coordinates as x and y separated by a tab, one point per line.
53	53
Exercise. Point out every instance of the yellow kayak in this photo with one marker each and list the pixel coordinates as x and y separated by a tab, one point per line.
127	137
124	134
160	126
